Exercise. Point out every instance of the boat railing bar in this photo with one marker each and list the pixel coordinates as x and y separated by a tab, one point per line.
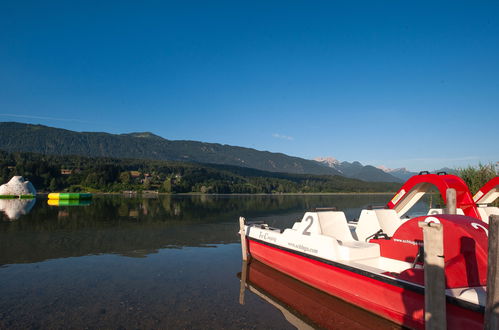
377	207
249	223
324	209
491	317
424	172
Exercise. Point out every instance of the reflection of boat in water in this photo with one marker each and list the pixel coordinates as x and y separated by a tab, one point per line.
14	208
68	202
378	264
306	307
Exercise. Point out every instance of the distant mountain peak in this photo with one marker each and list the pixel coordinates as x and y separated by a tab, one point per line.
356	170
146	135
329	161
390	170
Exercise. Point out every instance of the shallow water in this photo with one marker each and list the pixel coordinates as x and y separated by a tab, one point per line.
164	262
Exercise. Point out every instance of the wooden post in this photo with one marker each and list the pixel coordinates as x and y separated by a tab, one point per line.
242	287
492	307
434	276
450	207
244	248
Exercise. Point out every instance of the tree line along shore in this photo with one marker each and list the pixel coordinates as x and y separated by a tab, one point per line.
96	174
78	173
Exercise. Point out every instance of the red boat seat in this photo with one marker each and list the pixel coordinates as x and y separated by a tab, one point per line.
465	249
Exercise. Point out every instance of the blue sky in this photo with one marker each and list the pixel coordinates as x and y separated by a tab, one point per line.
395	83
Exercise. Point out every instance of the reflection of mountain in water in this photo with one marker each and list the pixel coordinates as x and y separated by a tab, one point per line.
14	208
305	307
137	227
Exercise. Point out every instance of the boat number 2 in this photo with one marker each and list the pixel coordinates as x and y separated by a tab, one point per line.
306	232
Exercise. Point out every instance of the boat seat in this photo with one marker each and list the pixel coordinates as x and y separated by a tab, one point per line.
334	224
329	223
354	250
388	220
371	221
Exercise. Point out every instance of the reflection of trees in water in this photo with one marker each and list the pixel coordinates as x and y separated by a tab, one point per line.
136	226
14	208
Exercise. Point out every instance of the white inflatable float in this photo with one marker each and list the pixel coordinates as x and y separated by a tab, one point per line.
17	187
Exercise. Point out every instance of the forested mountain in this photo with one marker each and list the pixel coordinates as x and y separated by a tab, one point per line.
77	173
18	137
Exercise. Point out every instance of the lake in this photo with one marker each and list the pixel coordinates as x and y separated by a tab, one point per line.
162	262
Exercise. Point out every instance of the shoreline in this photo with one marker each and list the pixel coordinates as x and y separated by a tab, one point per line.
44	194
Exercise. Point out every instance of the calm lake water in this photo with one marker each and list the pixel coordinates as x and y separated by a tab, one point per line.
164	262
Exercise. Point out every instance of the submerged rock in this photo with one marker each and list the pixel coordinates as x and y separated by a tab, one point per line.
17	186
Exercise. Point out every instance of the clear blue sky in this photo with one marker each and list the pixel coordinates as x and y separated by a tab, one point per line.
398	83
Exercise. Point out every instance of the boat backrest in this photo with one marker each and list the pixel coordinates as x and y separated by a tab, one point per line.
334	223
368	225
309	225
389	220
371	221
486	211
442	211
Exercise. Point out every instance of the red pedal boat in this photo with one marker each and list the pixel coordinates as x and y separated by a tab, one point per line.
382	273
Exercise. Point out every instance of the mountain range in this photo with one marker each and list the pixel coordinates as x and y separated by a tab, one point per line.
403	174
358	171
20	137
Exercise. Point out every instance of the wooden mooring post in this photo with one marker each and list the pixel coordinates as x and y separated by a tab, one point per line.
244	276
242	231
434	276
450	206
492	307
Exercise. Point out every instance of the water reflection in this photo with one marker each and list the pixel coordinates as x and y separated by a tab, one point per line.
303	306
68	202
14	208
138	227
166	262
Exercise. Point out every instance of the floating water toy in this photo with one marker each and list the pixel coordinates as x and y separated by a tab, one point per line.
72	196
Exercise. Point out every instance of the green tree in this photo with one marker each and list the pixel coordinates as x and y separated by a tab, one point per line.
125	177
166	187
53	185
476	177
